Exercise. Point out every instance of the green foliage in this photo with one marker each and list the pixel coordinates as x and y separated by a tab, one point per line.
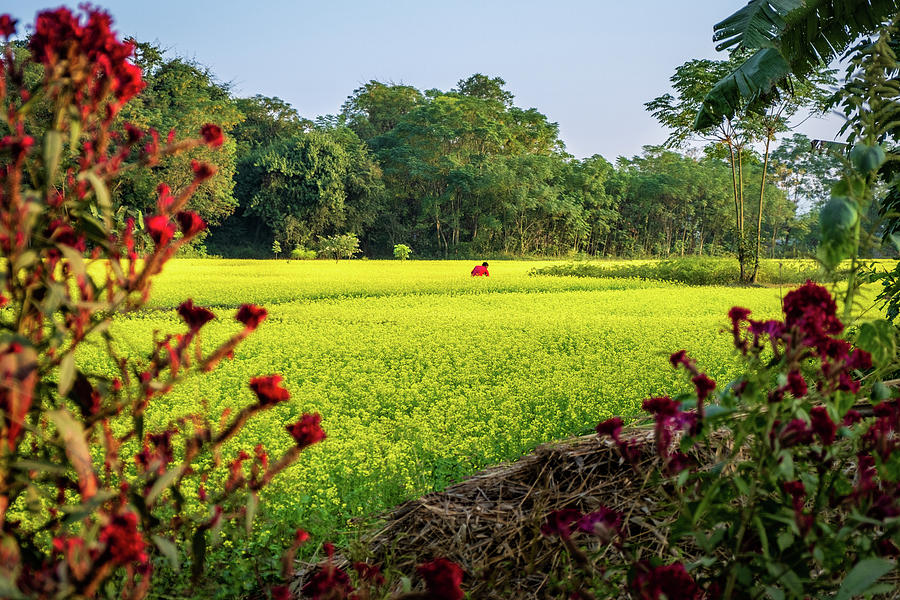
276	248
690	271
787	39
301	253
422	375
402	251
340	246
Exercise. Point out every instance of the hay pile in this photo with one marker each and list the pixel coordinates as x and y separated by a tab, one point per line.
490	523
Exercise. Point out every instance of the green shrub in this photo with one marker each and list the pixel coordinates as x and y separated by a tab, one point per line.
690	271
301	253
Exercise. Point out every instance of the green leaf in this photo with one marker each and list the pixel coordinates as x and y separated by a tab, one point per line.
755	25
52	150
755	78
862	577
784	540
101	192
168	549
66	373
164	481
878	338
775	593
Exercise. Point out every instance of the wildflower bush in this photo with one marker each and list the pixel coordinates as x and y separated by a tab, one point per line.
802	496
89	495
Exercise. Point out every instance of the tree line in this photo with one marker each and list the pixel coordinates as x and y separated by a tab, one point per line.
460	173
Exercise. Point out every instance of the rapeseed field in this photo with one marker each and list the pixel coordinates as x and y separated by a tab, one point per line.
423	374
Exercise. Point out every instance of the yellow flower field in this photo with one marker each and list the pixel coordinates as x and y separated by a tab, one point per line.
423	374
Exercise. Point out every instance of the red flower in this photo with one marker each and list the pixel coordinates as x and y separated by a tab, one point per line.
662	406
328	582
671	581
811	311
251	315
442	578
704	386
610	427
300	536
123	541
796	384
738	314
561	522
369	573
195	316
795	489
212	135
281	592
191	223
161	229
822	424
202	171
307	431
603	523
7	26
268	390
796	432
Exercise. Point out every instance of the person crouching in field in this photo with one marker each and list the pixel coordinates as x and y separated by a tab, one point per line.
481	270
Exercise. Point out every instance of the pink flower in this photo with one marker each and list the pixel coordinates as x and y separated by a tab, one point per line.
442	578
269	390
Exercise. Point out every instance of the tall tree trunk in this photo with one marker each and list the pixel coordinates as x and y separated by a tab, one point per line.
762	190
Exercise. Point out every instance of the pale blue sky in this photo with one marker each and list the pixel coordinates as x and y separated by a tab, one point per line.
589	65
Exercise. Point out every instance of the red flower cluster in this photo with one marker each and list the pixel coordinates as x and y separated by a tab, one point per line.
202	171
369	573
561	522
123	541
160	229
212	135
443	579
328	582
94	61
195	316
268	390
190	222
670	581
7	26
812	312
611	427
307	431
251	315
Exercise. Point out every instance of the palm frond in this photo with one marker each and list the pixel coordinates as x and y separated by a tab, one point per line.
755	25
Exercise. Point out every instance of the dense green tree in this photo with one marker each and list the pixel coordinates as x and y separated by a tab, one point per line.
180	97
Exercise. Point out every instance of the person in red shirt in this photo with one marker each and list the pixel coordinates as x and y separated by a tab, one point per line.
481	270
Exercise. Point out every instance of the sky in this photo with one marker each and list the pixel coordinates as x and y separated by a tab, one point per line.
589	65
